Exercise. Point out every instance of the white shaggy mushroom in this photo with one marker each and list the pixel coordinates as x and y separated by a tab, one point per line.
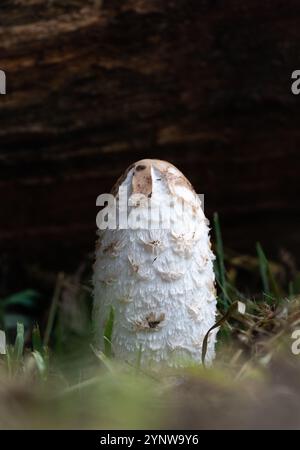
157	276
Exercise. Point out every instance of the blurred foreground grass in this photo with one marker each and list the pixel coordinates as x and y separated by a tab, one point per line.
57	379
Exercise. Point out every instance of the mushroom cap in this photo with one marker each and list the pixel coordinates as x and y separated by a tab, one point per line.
143	173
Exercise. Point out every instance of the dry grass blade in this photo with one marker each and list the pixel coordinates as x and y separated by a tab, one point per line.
234	307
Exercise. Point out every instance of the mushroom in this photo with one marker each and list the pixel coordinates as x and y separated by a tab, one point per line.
157	271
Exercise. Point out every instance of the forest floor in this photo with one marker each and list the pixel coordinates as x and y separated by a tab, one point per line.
51	376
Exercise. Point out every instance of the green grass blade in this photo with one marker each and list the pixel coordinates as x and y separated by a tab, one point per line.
19	343
270	285
53	309
9	360
106	361
27	298
220	265
139	359
37	344
263	268
108	330
40	364
291	289
278	293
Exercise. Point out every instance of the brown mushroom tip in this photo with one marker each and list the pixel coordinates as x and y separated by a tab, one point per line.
158	164
142	176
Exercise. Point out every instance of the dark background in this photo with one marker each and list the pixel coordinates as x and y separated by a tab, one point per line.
93	86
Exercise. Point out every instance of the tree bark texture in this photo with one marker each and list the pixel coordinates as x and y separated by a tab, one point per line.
93	86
